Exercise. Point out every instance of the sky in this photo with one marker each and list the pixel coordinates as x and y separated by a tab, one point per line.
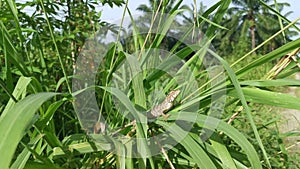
113	14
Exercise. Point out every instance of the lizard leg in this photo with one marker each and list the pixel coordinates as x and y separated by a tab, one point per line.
166	116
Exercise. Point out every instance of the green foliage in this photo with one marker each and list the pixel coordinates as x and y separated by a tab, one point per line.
251	23
41	129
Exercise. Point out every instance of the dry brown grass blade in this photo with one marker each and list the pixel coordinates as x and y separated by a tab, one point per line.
283	63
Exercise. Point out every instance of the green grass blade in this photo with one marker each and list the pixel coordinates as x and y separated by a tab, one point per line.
223	154
137	81
19	90
271	83
23	157
280	20
82	148
2	84
217	18
10	50
269	98
14	11
45	119
142	146
56	48
198	155
241	96
212	23
14	123
234	134
278	14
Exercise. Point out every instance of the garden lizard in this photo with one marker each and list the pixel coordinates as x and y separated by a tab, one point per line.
155	112
165	106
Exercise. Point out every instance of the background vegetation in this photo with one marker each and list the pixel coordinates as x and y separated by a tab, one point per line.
39	127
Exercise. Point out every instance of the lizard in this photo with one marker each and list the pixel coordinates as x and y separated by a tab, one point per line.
156	111
165	106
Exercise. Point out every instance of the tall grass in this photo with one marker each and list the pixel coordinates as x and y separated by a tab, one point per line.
43	129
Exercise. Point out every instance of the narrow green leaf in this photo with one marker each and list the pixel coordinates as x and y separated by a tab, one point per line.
141	131
271	83
218	18
10	50
278	14
241	96
19	90
210	123
137	81
14	123
212	23
255	95
85	147
223	154
44	120
2	84
56	48
290	134
198	155
23	157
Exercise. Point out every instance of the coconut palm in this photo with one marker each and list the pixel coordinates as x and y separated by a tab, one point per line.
251	19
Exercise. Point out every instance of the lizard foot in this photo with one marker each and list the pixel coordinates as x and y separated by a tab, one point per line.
166	116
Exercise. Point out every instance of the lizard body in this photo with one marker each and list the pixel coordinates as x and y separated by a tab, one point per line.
155	112
165	106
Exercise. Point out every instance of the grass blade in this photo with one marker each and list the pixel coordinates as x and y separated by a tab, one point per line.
269	98
241	96
14	123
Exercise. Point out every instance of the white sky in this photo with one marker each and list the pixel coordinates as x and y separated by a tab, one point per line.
114	14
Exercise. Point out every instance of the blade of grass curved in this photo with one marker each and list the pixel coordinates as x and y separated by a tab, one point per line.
241	96
141	132
210	123
10	50
278	14
256	95
198	155
61	81
19	90
139	99
6	90
137	81
271	83
222	152
217	18
15	122
44	120
23	157
56	48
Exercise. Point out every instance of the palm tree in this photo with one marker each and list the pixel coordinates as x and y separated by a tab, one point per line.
251	19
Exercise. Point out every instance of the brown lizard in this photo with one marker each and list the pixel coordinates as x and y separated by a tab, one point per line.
155	112
165	106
